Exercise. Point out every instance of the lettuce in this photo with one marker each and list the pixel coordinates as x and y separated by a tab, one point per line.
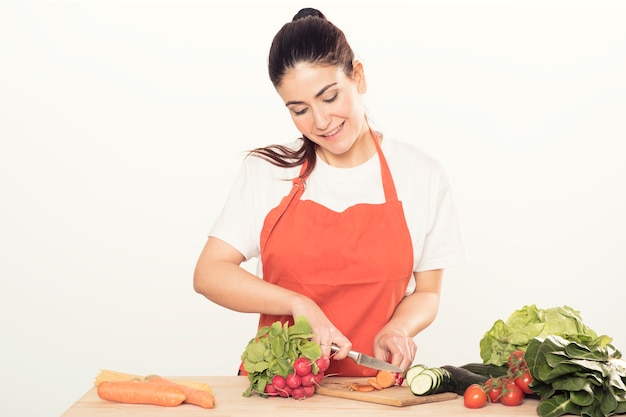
529	322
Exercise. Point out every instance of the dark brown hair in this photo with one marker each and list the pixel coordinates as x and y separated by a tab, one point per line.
308	38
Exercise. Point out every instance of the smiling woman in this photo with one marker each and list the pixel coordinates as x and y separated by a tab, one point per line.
341	216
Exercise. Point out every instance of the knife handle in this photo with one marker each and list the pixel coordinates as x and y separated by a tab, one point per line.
351	354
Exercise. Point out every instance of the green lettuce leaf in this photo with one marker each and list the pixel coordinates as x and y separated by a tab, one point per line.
525	324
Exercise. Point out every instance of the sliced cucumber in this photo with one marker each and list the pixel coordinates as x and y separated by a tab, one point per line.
432	381
412	372
422	384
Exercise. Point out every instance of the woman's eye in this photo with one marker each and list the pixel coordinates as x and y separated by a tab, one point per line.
299	112
333	98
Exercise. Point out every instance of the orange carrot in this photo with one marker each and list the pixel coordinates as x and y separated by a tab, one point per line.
192	396
135	392
373	383
385	379
355	386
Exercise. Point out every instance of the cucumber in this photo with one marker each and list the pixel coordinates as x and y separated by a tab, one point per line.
489	370
432	381
413	371
463	378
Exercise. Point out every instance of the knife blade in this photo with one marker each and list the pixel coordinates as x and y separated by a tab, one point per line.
368	361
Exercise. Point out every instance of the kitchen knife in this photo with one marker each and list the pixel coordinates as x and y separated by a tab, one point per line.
368	361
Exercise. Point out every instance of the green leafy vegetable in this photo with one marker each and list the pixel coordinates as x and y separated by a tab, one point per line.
530	322
275	349
573	378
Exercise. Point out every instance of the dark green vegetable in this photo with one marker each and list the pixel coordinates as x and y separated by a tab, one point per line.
486	369
463	378
426	381
432	381
573	378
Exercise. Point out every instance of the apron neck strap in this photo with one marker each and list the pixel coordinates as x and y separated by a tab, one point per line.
388	184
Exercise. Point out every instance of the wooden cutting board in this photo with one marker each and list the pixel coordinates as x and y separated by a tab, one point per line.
399	396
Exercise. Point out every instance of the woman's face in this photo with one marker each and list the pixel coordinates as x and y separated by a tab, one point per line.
326	107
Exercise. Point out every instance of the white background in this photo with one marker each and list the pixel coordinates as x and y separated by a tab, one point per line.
123	124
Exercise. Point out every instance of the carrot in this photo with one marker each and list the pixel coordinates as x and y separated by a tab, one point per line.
385	379
354	386
373	383
192	396
135	392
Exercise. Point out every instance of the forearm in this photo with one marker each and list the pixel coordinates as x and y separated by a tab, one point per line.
220	278
418	310
415	313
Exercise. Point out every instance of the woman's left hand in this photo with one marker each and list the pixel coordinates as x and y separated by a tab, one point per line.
401	349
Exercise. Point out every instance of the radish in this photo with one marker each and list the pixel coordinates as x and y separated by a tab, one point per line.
278	381
308	380
293	381
323	363
302	366
318	377
298	393
285	392
309	391
271	390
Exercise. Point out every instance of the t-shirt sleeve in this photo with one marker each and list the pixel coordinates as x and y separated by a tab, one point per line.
443	244
236	223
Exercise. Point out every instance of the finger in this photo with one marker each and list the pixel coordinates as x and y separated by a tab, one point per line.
326	352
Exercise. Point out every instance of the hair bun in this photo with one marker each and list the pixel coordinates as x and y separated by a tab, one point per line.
308	11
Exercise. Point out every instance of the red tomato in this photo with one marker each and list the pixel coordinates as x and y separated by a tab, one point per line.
474	396
493	387
523	381
513	395
516	360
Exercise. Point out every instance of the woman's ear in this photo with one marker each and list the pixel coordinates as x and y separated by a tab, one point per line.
358	75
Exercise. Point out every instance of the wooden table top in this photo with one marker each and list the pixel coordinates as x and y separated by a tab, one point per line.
230	402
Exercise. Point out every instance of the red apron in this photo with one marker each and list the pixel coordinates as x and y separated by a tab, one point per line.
355	265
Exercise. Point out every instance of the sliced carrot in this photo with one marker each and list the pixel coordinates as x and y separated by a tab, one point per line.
354	386
385	379
192	396
373	383
136	392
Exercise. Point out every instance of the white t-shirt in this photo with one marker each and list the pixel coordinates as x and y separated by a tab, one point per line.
421	184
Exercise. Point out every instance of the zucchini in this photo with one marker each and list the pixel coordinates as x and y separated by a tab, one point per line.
432	381
488	370
412	371
463	378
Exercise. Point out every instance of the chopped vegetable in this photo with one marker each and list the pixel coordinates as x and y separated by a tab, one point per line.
385	379
141	392
355	386
529	322
372	382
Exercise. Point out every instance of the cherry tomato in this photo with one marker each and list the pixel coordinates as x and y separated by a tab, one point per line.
513	395
493	388
523	381
474	396
516	360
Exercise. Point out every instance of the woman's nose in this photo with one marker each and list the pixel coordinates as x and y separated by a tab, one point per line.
321	120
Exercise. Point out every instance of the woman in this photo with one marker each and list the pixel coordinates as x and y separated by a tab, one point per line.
352	230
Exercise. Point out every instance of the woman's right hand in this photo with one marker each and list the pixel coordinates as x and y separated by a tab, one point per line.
325	333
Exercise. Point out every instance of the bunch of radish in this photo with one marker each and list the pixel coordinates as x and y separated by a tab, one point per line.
300	383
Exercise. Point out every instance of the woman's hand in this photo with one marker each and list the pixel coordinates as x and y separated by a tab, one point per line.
326	334
401	349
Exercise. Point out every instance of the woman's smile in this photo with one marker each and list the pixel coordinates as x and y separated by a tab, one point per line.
334	134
